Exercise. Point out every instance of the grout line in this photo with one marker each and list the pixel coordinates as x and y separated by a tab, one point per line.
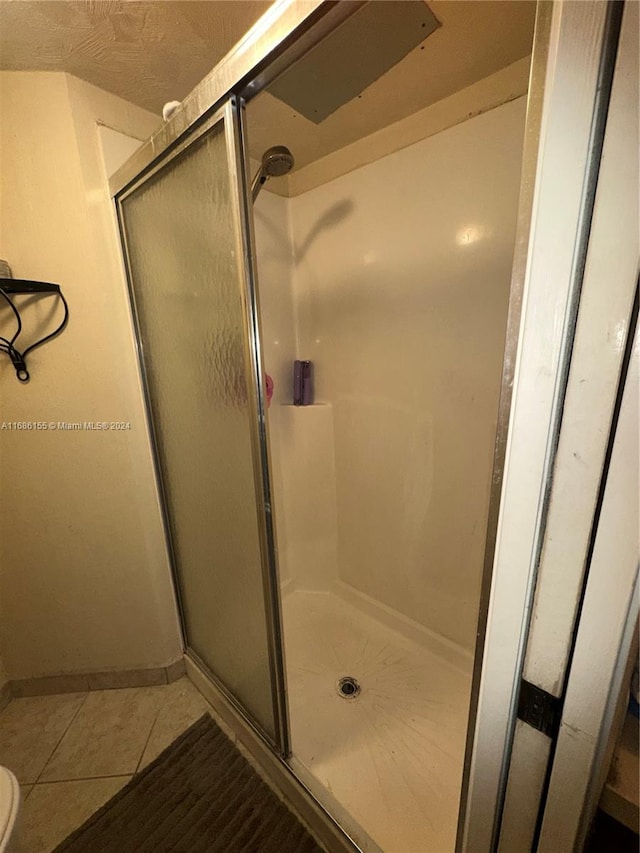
46	764
146	743
81	779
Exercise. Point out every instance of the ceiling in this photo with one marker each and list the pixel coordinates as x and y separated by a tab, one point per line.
157	51
146	52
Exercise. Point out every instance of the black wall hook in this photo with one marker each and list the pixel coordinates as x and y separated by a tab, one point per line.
13	286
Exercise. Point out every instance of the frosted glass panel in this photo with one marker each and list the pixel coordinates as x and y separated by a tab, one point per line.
181	241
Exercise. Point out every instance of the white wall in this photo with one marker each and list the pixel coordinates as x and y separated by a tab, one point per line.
273	248
503	86
84	580
301	439
401	281
115	147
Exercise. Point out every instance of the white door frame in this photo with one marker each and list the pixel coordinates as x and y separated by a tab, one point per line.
609	615
578	67
591	405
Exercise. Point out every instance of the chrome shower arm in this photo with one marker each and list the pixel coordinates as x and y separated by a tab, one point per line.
258	182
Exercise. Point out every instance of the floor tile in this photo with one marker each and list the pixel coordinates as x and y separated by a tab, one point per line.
54	810
25	790
108	735
31	728
181	706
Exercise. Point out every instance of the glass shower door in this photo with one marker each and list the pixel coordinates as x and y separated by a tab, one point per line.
182	227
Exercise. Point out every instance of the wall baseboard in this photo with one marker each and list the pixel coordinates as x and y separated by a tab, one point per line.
83	682
5	695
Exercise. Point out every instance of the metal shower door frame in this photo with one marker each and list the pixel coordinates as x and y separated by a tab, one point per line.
280	37
229	116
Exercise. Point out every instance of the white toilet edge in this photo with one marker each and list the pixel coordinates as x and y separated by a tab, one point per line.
10	793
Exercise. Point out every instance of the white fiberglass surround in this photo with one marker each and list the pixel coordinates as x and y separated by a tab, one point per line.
394	280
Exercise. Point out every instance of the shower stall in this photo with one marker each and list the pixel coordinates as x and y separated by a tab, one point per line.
393	280
328	558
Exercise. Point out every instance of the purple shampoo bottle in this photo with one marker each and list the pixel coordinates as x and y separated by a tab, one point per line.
302	383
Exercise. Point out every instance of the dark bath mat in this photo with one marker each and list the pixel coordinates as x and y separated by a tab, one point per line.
199	796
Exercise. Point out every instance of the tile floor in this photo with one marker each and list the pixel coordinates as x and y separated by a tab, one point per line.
392	757
73	752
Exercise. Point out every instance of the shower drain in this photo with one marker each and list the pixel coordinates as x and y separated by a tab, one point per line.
348	687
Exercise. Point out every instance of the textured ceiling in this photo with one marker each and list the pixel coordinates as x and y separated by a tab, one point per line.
157	51
147	52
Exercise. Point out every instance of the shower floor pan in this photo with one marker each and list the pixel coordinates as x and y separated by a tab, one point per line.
391	754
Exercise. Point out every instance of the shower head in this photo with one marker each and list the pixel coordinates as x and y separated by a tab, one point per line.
276	161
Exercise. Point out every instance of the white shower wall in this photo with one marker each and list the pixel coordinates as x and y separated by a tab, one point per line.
273	248
394	279
301	440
